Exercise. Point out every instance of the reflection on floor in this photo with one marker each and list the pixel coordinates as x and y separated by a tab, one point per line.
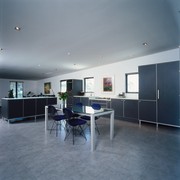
27	153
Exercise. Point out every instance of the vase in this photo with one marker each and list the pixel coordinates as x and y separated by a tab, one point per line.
63	104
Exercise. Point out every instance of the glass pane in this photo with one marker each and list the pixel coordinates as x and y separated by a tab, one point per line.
89	84
132	83
13	86
19	89
63	86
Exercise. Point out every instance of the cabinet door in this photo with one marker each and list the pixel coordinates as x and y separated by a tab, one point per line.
15	108
51	101
147	111
147	82
85	101
168	87
117	105
131	109
29	107
40	106
76	100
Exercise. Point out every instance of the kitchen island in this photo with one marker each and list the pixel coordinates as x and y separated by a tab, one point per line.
15	108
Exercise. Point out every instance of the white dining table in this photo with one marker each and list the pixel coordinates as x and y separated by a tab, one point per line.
92	113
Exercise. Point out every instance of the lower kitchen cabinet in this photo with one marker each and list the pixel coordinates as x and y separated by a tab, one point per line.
83	100
131	109
117	105
147	111
125	108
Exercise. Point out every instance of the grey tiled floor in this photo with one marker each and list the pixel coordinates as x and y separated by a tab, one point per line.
28	153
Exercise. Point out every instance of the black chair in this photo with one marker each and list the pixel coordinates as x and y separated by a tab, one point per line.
74	123
95	106
52	111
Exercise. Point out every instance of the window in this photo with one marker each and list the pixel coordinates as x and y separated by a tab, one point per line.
89	84
17	88
132	83
63	86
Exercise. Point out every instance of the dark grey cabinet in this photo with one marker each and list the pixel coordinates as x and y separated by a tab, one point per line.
168	93
83	100
12	108
147	111
147	93
25	107
117	105
131	109
76	100
73	87
29	107
147	82
40	104
104	103
126	109
159	93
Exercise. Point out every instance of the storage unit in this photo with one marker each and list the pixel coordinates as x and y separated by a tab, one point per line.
131	109
159	93
73	87
126	109
81	99
13	108
168	93
147	93
104	102
118	106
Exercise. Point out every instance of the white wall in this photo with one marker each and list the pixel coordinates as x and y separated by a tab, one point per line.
28	86
117	70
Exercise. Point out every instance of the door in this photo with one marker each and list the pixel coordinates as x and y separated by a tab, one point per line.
147	82
168	93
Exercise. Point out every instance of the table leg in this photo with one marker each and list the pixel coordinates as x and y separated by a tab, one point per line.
112	125
92	133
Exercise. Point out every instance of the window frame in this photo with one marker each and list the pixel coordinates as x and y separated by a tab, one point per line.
127	90
86	83
15	94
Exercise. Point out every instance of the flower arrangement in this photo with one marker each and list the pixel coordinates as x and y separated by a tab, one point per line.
63	95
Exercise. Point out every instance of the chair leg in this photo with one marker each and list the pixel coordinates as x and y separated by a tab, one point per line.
57	129
82	133
97	129
52	127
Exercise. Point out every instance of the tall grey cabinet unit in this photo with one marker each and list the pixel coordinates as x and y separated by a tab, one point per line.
73	87
168	93
159	93
147	93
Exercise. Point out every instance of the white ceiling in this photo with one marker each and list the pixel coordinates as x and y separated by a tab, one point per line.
63	36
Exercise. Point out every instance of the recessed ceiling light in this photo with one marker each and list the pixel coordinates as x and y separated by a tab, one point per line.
145	44
68	53
1	49
17	28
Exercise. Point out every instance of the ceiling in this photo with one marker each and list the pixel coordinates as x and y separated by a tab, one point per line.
63	36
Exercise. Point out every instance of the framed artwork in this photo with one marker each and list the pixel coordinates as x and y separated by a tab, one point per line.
47	87
108	84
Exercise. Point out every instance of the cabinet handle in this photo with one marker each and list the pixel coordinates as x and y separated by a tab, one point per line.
158	93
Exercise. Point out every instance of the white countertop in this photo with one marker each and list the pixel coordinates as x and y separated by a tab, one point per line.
27	98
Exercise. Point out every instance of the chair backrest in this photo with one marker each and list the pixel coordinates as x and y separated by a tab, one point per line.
68	113
52	111
96	106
